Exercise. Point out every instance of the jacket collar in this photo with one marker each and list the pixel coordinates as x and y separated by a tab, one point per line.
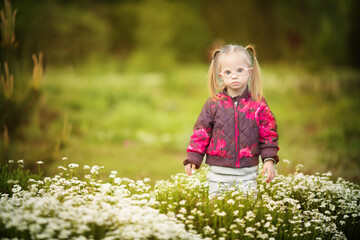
244	95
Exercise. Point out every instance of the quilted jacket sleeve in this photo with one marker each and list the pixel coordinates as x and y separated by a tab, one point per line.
268	132
200	138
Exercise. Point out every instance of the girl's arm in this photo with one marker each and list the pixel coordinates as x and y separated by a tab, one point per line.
268	132
201	137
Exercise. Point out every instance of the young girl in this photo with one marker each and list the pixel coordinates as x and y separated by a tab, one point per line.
235	125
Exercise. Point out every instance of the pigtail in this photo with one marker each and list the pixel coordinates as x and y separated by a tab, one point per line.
255	82
213	84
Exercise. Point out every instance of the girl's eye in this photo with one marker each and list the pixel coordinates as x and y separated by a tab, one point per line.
227	72
239	70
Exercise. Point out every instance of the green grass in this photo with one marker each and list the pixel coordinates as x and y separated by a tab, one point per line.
13	173
139	123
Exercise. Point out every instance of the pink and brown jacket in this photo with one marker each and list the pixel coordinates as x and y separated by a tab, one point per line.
233	132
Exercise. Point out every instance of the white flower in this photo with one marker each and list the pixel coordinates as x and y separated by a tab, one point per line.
231	202
286	161
11	161
247	234
73	165
220	197
16	188
299	166
132	210
62	168
208	230
86	167
21	161
117	180
39	162
332	207
64	158
221	214
250	215
10	181
183	210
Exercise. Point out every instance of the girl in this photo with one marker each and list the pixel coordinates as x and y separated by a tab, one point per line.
235	125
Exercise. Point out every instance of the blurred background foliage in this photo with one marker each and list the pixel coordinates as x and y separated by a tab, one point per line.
71	31
124	81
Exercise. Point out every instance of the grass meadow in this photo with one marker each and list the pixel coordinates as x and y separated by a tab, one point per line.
94	149
105	149
139	123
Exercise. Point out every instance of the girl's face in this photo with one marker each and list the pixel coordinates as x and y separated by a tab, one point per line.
235	72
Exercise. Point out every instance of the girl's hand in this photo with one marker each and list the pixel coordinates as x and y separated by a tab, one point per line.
189	167
270	169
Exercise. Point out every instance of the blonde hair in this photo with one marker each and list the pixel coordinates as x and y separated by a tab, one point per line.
216	85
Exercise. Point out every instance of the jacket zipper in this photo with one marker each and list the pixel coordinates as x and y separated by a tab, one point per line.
237	162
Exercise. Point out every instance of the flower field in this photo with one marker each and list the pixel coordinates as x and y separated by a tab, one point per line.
67	206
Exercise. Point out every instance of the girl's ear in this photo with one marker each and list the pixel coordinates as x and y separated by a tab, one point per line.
251	71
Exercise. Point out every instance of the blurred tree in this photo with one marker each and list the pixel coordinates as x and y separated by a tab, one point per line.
296	30
244	22
16	104
66	31
313	31
167	32
353	38
284	30
122	19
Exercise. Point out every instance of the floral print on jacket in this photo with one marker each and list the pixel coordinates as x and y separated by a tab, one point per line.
233	132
